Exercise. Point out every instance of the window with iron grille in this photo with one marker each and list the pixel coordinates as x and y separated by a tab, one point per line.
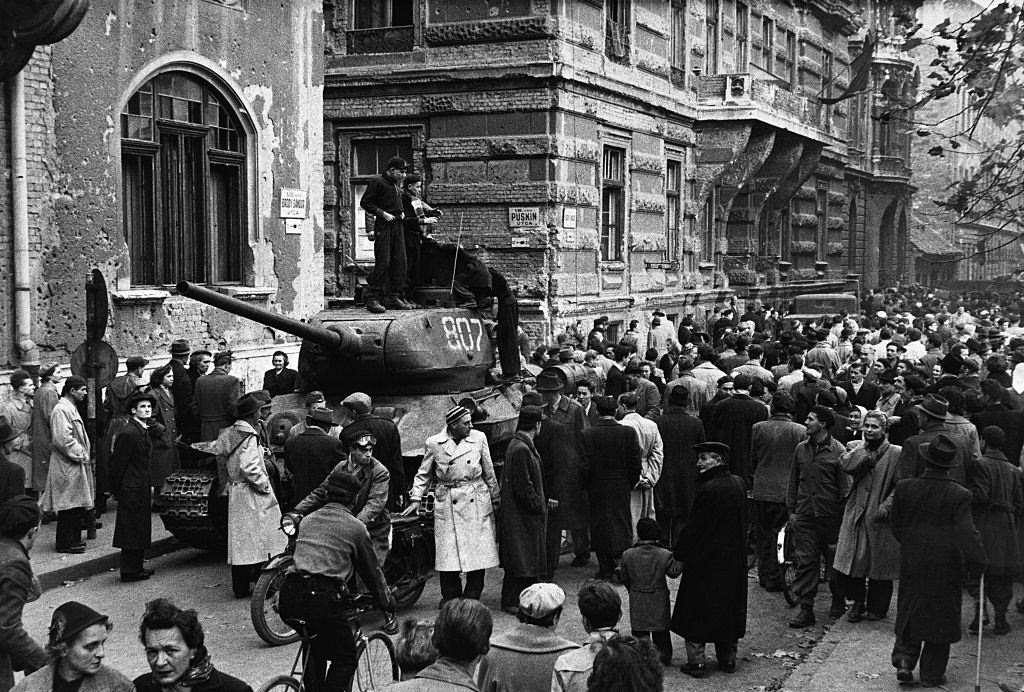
616	30
673	208
712	38
381	26
369	157
613	199
183	183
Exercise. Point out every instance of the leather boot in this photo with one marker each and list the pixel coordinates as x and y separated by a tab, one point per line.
1001	626
373	305
805	618
856	613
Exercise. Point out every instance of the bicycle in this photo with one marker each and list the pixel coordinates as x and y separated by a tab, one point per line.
376	667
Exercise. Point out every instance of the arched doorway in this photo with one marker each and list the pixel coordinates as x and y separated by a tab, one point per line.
902	241
851	237
887	267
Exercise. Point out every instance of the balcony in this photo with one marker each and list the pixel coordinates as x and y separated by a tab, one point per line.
390	39
768	99
889	51
891	167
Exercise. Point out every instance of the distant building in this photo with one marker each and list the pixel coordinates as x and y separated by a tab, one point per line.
159	138
614	156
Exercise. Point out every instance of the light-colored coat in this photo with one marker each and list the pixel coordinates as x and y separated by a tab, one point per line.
867	546
105	680
464	527
254	517
652	448
71	478
46	397
18	412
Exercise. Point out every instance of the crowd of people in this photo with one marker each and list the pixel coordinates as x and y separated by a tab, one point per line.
887	444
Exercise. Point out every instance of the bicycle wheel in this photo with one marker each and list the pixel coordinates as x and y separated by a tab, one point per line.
263	610
376	667
281	683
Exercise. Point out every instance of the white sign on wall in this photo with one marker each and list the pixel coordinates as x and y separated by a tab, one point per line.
294	204
523	217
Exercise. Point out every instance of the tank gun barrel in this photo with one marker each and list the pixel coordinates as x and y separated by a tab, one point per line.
326	338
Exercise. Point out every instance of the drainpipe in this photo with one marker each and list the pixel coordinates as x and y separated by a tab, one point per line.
26	349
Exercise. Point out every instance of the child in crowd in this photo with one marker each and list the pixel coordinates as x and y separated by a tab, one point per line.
643	572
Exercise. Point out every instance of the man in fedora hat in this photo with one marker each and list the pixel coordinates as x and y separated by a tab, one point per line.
931	518
46	397
522	525
310	455
12	476
711	605
932	415
182	389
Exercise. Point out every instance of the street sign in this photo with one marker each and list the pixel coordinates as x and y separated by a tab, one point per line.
523	217
105	358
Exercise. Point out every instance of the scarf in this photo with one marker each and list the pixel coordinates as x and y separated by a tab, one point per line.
199	672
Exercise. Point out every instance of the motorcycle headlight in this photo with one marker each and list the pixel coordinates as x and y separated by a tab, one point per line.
290	524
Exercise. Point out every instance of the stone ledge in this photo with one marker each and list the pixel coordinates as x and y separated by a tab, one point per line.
140	296
246	292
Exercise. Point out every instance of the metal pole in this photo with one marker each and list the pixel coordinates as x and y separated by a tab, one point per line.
981	628
92	399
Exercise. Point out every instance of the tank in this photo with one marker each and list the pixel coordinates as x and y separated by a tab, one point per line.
414	364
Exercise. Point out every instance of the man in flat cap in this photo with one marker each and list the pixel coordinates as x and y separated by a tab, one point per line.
459	460
310	455
931	518
389	441
524	511
19	526
523	658
216	396
17	409
711	605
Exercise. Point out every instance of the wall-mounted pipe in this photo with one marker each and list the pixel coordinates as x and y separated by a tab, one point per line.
26	349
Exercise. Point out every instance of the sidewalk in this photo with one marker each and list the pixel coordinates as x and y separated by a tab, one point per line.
53	568
857	656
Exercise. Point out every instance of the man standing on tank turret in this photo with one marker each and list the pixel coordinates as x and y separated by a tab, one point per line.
383	199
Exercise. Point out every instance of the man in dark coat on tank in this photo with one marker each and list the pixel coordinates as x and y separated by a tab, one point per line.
130	481
998	494
524	510
389	442
610	468
676	489
711	605
931	518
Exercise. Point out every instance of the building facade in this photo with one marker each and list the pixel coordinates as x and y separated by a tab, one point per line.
616	156
160	140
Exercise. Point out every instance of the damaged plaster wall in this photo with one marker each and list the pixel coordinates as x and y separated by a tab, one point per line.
268	56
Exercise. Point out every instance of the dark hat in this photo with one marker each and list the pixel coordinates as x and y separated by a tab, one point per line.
71	618
136	362
358	403
680	396
321	415
314	397
223	357
974	346
915	383
342	483
940	452
136	397
533	399
262	396
952	363
659	312
606	405
7	433
742	381
548	381
565	354
934	406
247	406
531	415
719	448
180	347
17	512
19	378
888	376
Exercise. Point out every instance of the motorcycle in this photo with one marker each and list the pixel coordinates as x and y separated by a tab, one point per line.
408	566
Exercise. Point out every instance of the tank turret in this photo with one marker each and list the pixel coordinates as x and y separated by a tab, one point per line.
435	351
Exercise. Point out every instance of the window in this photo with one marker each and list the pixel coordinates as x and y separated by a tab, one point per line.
613	199
857	132
712	37
674	208
766	56
708	235
376	14
381	26
369	156
789	72
821	218
742	37
616	30
183	183
677	48
827	68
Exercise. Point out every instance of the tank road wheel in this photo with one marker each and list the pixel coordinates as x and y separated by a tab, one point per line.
263	610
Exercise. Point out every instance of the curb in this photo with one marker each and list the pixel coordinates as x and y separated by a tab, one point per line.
102	563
